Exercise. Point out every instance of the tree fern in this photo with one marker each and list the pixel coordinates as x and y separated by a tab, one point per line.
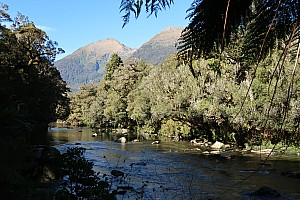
205	32
135	6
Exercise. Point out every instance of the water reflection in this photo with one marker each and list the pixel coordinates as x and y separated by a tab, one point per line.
178	170
62	135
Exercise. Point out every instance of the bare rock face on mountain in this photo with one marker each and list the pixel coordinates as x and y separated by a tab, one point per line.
158	48
87	64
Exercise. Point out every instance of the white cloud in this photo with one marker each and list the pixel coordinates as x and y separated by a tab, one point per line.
45	28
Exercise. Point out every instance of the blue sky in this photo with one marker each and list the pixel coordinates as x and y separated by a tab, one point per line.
74	24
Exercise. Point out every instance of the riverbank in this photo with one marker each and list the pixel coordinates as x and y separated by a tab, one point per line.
35	177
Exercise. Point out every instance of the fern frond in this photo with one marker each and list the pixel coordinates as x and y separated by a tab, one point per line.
206	29
135	6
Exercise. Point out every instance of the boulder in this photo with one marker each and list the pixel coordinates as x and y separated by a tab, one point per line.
124	130
197	142
43	163
122	140
117	173
47	174
50	165
217	145
123	189
94	135
155	142
266	193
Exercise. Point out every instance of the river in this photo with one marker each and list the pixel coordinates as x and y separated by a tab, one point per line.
179	170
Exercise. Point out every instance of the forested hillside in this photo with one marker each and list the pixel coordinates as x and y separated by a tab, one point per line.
87	64
215	105
158	48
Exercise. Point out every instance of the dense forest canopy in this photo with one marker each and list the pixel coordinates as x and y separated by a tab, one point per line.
31	89
212	23
235	77
260	29
168	100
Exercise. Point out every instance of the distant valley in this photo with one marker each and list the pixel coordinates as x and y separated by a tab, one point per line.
87	64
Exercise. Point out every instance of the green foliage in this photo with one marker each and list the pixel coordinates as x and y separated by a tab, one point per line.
106	104
32	92
174	129
128	6
205	32
227	87
115	63
82	180
32	89
218	105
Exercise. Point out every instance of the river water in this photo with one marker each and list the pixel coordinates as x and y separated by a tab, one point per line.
179	170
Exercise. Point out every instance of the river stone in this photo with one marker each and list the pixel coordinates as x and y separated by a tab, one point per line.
266	193
217	145
50	165
155	142
122	140
197	142
116	173
138	163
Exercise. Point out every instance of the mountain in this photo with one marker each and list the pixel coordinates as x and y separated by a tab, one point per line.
87	64
158	48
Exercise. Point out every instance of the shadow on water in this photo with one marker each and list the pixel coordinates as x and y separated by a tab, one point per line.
178	170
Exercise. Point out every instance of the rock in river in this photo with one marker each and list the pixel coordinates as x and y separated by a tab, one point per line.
266	193
122	140
116	173
217	145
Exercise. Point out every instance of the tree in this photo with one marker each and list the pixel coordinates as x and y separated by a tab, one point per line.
125	78
128	6
263	26
34	93
212	22
106	104
115	63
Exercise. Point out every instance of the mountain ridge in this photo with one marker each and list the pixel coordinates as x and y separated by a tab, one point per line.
160	46
87	64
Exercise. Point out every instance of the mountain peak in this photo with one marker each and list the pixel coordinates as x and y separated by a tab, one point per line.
101	47
169	35
160	46
172	28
